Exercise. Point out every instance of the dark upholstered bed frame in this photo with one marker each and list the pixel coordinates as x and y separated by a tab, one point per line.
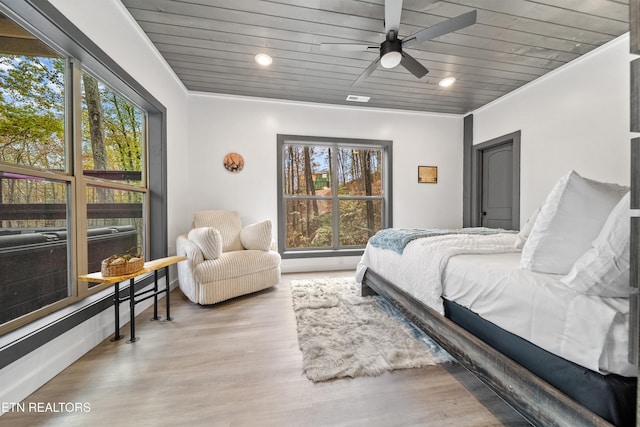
544	388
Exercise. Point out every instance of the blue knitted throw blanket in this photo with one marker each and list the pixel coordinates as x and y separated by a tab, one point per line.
396	239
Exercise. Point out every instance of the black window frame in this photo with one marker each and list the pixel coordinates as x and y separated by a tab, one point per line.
387	190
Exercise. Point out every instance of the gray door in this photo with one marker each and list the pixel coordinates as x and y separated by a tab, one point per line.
497	187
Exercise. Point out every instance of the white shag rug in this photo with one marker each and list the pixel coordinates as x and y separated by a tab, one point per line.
342	334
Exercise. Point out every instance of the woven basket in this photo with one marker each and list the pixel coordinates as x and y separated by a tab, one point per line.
120	265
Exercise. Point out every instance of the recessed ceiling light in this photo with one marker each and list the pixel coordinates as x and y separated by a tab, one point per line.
446	82
263	59
358	98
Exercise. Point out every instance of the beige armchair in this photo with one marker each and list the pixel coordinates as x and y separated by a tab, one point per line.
225	259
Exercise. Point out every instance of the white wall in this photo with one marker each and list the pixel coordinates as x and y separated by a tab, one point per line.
111	27
575	118
222	124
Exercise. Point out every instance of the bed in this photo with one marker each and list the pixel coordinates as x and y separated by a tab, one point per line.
553	344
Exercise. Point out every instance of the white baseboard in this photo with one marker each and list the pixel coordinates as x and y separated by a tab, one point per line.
302	265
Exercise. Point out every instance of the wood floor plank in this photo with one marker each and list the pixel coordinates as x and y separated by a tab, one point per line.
238	364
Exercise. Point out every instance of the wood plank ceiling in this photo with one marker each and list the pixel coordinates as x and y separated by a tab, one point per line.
211	45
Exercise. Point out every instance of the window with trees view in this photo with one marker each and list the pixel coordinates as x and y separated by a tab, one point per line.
333	193
72	183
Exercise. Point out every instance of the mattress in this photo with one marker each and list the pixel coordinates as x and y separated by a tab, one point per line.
587	330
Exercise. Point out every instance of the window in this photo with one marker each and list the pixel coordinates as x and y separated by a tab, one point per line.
113	141
35	186
73	173
333	194
34	249
113	133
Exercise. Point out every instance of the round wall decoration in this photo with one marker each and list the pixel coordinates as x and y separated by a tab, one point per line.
233	162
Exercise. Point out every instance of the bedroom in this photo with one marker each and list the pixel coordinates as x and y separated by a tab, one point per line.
568	133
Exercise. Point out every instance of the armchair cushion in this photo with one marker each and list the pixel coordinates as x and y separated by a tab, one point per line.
226	222
257	236
209	240
237	264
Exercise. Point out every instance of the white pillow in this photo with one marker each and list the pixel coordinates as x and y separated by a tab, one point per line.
570	218
604	269
208	239
523	234
257	236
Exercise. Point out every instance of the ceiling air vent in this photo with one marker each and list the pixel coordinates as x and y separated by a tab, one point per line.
357	98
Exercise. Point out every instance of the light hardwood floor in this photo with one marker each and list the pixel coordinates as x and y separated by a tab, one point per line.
238	364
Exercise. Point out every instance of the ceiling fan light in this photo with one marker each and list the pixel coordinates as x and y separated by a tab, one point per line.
448	81
391	59
263	59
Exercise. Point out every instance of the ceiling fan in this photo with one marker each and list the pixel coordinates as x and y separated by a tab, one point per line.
391	49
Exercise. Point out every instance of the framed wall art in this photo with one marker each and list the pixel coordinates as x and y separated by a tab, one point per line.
233	162
428	174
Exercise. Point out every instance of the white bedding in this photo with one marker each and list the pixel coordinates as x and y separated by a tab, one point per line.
482	273
423	261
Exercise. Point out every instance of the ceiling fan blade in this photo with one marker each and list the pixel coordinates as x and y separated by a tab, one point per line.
392	12
366	73
445	27
411	64
348	47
